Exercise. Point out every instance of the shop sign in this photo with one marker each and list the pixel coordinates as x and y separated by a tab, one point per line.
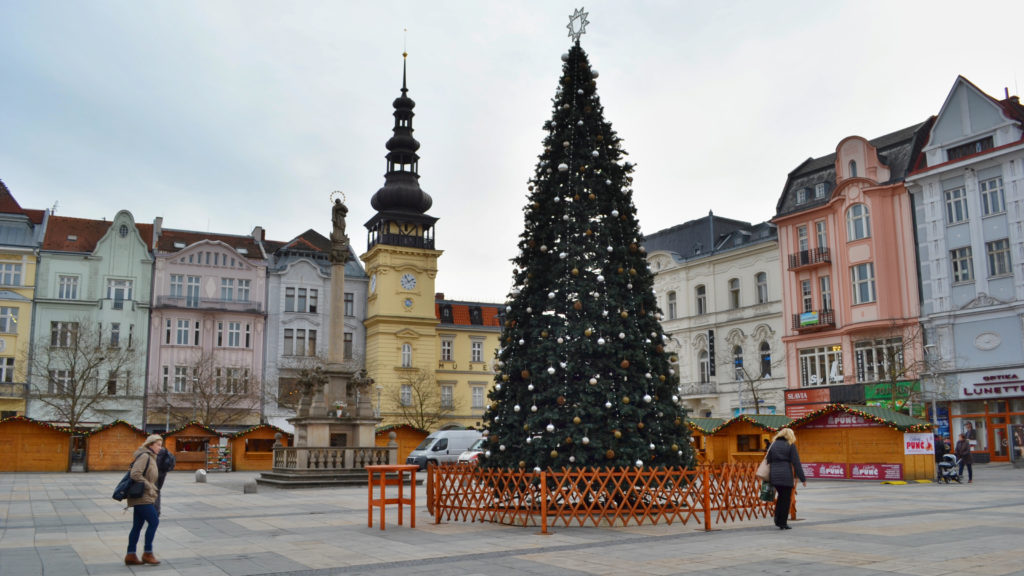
918	443
876	471
998	385
826	470
880	394
800	403
841	420
796	411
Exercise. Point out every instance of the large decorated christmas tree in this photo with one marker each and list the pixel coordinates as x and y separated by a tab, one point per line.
584	378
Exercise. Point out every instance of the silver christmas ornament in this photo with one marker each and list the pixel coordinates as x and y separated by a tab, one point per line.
550	428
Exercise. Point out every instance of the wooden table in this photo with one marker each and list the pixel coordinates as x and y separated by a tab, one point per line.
378	475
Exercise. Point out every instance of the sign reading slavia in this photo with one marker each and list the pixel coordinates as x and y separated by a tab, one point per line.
997	385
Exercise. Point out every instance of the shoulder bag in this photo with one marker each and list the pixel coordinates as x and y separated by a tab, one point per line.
128	488
764	470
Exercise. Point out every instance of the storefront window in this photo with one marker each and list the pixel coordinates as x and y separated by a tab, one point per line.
1017	405
975	407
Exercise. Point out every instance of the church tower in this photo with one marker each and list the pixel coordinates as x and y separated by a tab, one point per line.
401	261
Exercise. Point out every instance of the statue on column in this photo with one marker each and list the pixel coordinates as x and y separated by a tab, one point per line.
339	241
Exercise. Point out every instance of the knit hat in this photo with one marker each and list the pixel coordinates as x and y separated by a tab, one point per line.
153	438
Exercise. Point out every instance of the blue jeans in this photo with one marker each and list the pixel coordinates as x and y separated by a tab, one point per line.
143	513
970	470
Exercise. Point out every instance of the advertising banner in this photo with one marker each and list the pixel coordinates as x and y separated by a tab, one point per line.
826	470
876	471
841	420
918	443
800	403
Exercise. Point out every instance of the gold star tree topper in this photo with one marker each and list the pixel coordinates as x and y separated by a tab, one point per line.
578	24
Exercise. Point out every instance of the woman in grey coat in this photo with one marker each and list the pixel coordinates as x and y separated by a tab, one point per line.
785	463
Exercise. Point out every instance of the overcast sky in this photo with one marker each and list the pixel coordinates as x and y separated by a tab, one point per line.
225	115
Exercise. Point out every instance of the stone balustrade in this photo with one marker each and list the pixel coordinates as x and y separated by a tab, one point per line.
316	459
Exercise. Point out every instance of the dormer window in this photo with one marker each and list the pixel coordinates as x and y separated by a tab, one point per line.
179	245
446	314
969	148
801	196
123	231
819	190
476	315
72	237
242	251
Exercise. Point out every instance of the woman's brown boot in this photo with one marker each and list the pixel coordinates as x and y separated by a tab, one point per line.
131	560
148	558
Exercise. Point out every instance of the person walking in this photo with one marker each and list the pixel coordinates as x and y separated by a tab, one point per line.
940	451
164	463
963	453
784	461
144	470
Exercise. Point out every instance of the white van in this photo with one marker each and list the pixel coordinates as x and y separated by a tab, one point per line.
442	447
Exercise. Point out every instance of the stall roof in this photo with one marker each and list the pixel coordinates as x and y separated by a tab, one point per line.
133	427
257	427
879	414
192	423
705	425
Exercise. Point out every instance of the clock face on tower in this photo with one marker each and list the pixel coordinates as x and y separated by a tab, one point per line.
408	281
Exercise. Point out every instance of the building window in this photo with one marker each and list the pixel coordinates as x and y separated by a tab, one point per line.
702	300
300	300
234	334
62	334
478	396
7	369
112	384
476	316
476	351
863	277
821	366
447	345
734	293
181	333
350	304
806	296
243	290
876	360
119	291
67	287
181	379
737	362
289	342
801	196
348	346
8	320
299	342
177	285
801	239
766	360
447	397
10	274
406	395
993	201
227	289
956	206
704	363
192	294
963	264
858	223
289	299
313	301
761	280
825	283
165	379
60	382
819	190
822	232
115	334
406	355
853	168
671	297
446	314
998	257
957	152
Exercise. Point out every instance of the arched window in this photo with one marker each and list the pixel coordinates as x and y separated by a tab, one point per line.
705	367
734	293
766	360
406	355
737	361
671	305
761	280
702	300
858	222
853	168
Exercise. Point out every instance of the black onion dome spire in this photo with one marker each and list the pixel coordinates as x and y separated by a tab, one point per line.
401	191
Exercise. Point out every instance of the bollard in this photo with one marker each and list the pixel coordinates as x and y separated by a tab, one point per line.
250	487
201	476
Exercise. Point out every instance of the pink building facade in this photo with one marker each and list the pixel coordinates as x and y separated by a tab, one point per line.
849	281
207	329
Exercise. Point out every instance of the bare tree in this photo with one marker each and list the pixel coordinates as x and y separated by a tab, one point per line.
418	401
78	376
898	360
754	383
211	394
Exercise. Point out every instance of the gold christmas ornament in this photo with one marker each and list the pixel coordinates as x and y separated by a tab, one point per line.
588	332
504	377
600	137
621	269
576	420
575	271
609	454
625	399
543	333
624	364
624	314
592	196
678	422
639	425
661	378
554	454
633	247
577	305
560	400
632	271
675	447
617	433
526	427
525	373
568	439
589	232
522	463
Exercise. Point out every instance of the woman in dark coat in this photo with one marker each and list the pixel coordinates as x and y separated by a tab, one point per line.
785	462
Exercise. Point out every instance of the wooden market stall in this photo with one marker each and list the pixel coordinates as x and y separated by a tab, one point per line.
192	445
700	429
253	448
864	443
27	445
111	447
407	437
743	438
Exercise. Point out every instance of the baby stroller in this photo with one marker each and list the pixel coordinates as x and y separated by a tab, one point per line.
949	469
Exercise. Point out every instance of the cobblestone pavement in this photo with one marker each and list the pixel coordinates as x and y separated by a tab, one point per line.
67	525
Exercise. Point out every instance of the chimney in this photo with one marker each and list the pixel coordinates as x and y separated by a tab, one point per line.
158	227
439	296
258	234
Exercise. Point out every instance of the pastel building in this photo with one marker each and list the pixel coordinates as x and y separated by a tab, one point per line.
207	329
468	337
968	191
21	233
850	303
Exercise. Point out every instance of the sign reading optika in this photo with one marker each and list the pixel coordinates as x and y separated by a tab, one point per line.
997	385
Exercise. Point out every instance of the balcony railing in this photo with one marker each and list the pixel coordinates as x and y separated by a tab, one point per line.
698	389
814	320
9	390
811	257
209	304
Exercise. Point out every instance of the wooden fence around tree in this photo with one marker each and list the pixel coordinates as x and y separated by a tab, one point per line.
709	494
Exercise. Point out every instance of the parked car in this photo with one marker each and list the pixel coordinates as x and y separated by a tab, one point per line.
472	455
442	447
